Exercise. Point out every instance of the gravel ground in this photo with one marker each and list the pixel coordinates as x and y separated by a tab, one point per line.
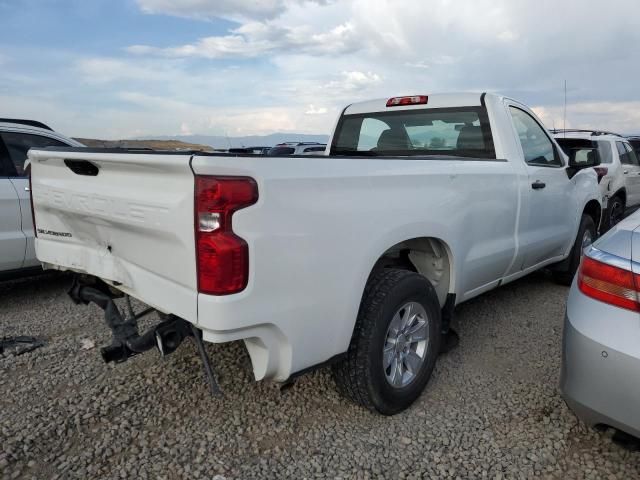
492	408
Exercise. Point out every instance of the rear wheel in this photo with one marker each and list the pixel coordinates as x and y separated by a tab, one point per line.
616	211
586	236
395	343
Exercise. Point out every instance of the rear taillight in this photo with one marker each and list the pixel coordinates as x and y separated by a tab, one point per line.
609	284
601	171
222	256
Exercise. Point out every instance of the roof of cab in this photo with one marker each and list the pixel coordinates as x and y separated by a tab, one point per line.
435	100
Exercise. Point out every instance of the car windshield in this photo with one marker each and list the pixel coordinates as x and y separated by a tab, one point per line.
463	132
579	149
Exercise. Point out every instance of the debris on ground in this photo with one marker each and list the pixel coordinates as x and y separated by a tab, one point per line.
87	344
17	345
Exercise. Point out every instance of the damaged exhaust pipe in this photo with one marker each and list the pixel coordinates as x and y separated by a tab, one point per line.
126	340
170	334
120	352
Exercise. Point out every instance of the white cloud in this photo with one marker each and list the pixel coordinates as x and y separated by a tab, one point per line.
105	70
259	38
354	80
508	36
418	64
209	9
619	117
185	129
313	110
297	59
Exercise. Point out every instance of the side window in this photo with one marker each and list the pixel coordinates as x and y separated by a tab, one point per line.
631	154
626	154
606	154
537	146
6	167
18	144
621	152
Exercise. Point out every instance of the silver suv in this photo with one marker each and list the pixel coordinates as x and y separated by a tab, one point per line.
618	172
17	254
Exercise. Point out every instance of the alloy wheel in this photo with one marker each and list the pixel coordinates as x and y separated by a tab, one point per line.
406	344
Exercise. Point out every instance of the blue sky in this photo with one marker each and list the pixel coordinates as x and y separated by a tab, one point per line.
94	27
130	68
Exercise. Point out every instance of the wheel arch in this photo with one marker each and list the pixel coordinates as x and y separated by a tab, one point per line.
431	257
622	193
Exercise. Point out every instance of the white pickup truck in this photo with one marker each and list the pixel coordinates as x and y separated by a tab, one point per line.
356	258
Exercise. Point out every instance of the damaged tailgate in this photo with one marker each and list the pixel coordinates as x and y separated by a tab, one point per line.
124	217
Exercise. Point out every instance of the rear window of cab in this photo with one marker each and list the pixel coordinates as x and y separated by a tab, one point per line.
462	132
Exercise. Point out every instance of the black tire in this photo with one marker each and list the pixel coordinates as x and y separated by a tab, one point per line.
565	277
360	376
615	211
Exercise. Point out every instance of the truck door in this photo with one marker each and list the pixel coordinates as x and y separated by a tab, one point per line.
630	171
548	225
12	240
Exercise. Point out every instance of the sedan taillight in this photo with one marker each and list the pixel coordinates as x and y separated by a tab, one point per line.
222	257
609	284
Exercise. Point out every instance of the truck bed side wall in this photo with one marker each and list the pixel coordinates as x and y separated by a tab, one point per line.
321	223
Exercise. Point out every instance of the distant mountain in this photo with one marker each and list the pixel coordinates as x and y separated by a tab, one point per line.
248	141
153	144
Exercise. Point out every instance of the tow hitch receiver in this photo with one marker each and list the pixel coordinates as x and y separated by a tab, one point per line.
126	340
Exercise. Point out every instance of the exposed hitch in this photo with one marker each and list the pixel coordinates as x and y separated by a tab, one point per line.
126	340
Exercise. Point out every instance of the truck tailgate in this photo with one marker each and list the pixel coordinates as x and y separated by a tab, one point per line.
129	221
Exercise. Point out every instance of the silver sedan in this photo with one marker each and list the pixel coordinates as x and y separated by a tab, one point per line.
600	378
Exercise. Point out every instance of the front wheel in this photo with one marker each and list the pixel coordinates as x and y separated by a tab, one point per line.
395	343
586	236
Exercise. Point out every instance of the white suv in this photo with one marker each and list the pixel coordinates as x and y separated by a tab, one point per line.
17	254
618	172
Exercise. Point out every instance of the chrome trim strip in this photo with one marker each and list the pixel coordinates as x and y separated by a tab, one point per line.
609	259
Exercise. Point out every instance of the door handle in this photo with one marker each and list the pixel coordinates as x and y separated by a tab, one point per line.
537	185
27	189
625	172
